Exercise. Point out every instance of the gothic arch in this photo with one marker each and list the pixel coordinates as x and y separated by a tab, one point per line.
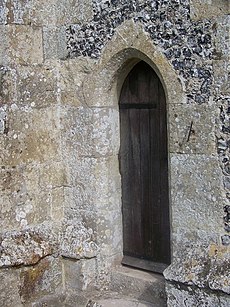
102	87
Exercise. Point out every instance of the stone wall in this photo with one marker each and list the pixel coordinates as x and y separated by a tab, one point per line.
62	64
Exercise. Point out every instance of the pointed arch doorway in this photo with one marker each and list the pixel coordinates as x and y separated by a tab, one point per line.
143	162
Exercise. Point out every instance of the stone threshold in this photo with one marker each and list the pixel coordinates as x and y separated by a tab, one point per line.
138	284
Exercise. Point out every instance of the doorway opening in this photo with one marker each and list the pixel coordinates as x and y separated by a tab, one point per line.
143	160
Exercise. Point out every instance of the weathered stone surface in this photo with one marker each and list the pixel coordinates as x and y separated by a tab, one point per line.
202	266
25	45
8	85
180	296
95	185
37	86
27	12
43	279
221	38
192	129
26	247
91	131
222	86
192	191
31	136
54	42
72	75
138	284
74	11
208	8
44	13
78	241
79	275
3	12
9	288
3	121
3	44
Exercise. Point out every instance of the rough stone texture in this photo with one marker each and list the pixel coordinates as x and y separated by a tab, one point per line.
187	44
62	65
209	269
24	45
9	288
77	241
208	8
192	296
26	247
141	285
43	279
80	275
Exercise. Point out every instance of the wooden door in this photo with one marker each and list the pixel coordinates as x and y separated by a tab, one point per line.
144	170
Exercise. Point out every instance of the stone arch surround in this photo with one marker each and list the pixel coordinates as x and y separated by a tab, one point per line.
101	92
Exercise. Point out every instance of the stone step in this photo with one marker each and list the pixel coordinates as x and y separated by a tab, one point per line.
140	285
117	300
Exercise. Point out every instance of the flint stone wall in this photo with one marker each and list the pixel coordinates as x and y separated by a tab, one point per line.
62	64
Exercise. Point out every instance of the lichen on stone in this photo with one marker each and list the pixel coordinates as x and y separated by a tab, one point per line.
78	241
26	247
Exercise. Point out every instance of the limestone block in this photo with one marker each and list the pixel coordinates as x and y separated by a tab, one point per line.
182	296
3	44
109	232
22	202
79	275
105	132
208	8
9	288
3	121
26	247
221	38
76	125
200	265
72	74
196	193
221	73
91	131
3	12
8	85
25	45
32	135
96	185
30	12
37	86
74	11
27	12
12	193
57	204
192	129
18	11
41	279
44	13
54	42
107	227
52	175
104	265
218	278
77	241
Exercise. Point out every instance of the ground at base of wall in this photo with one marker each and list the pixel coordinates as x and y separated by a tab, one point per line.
108	299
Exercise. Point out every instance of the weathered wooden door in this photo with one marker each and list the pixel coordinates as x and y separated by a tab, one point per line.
144	170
